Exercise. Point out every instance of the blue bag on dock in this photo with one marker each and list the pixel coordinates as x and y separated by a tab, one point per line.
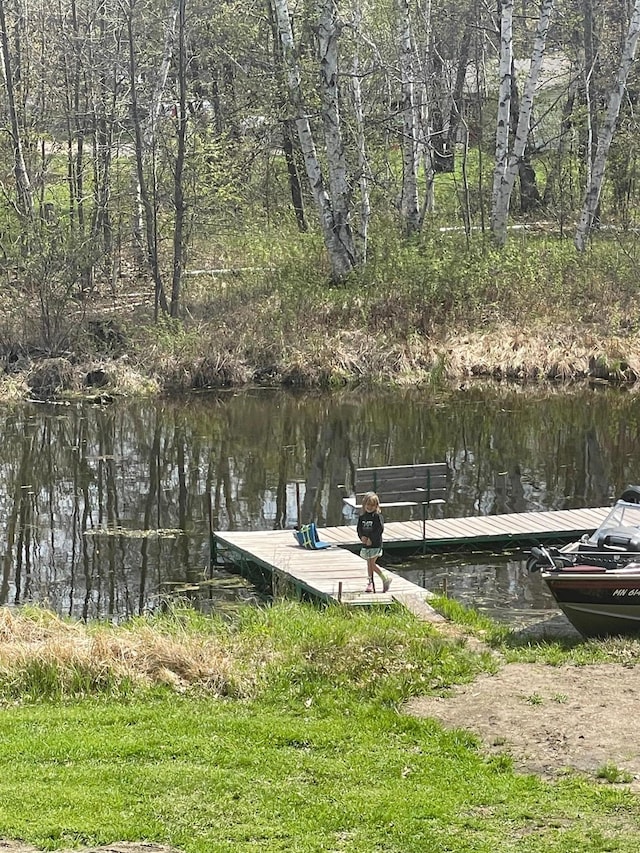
307	537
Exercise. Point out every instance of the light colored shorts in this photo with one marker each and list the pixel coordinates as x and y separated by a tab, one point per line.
369	553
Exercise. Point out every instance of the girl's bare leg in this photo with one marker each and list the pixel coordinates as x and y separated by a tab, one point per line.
373	567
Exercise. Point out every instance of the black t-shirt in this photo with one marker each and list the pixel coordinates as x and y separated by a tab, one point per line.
371	525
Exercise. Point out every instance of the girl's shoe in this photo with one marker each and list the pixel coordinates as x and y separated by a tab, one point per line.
370	587
386	583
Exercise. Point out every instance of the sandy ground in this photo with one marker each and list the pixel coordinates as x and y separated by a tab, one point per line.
551	720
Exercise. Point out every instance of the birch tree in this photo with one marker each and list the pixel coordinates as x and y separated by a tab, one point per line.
592	90
363	160
179	203
145	137
288	130
409	205
425	150
328	31
103	109
504	185
504	105
76	112
594	187
24	204
337	237
161	76
147	196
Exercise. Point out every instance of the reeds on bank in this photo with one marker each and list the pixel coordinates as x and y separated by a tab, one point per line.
44	656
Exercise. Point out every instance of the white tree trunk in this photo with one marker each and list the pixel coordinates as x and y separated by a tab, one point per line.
339	191
504	103
161	78
590	113
424	148
363	162
341	259
502	192
410	206
592	195
146	198
149	129
23	184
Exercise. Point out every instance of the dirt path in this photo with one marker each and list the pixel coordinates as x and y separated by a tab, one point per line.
550	719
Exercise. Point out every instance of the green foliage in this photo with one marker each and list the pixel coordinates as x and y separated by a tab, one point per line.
461	615
55	271
368	656
49	680
516	647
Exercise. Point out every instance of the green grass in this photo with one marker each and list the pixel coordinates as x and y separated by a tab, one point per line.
512	647
206	775
318	756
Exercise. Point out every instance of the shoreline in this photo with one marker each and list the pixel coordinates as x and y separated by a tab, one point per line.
504	354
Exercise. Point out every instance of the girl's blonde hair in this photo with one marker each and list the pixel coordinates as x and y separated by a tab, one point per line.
370	497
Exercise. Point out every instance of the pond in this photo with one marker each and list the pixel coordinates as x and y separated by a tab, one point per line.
106	510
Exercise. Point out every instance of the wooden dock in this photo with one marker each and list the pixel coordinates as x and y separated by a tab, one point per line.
338	574
515	529
331	574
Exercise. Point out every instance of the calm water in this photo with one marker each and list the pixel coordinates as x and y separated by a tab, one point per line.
105	510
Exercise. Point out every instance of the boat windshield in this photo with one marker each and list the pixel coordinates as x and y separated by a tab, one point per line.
621	515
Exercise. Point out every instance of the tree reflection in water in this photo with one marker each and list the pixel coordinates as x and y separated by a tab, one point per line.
107	509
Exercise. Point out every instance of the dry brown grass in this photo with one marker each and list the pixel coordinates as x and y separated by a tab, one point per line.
329	357
557	353
254	330
52	378
41	653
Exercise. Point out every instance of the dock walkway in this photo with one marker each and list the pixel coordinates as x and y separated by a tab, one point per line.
470	533
339	574
331	574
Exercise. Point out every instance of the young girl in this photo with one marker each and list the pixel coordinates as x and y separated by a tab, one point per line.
370	527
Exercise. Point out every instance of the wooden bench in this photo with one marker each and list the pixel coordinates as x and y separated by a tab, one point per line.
422	485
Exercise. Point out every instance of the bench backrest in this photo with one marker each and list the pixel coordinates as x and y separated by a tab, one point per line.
403	483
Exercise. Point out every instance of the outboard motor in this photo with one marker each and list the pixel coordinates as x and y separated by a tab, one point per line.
547	558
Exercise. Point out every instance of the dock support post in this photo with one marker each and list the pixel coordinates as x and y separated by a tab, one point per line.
425	507
212	536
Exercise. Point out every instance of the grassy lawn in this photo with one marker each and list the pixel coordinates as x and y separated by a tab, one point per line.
308	752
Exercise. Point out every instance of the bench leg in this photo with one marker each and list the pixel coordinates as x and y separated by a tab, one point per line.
424	527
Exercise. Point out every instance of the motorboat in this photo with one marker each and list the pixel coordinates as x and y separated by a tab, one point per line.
596	580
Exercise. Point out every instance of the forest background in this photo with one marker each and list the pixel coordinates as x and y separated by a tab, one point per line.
316	193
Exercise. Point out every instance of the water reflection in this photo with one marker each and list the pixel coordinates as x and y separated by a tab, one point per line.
105	509
498	585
